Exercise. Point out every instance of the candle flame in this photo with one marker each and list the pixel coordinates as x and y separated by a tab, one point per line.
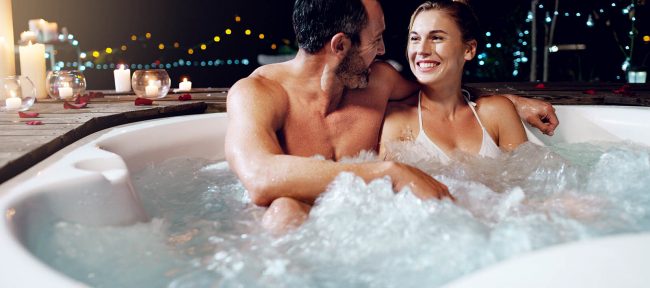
66	84
12	94
152	82
29	43
184	79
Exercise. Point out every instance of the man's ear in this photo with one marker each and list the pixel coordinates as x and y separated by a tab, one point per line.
340	44
470	49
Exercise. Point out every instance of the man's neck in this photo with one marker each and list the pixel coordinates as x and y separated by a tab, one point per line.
321	84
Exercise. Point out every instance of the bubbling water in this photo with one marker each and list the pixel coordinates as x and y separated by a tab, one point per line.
205	232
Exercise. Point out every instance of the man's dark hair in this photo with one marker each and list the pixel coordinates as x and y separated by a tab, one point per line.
316	21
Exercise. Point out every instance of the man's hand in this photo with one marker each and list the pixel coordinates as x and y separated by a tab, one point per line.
540	114
422	185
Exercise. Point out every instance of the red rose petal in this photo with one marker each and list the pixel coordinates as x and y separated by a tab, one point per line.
185	97
68	105
27	114
540	86
589	92
34	122
143	101
624	90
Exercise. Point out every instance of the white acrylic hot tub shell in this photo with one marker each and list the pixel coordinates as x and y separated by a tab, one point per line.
57	189
90	184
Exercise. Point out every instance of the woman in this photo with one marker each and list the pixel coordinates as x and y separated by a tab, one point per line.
442	37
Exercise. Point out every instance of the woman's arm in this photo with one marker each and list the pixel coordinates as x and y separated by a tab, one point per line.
500	117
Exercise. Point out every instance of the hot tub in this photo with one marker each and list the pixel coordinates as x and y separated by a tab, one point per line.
59	189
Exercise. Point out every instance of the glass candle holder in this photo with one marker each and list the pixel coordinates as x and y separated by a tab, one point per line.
65	84
17	93
154	83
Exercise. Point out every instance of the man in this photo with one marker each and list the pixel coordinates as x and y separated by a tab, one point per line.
330	101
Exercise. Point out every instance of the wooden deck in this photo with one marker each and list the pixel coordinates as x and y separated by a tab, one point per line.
22	146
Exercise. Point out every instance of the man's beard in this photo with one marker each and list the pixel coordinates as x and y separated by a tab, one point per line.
353	71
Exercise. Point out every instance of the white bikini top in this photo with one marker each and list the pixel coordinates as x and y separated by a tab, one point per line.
488	147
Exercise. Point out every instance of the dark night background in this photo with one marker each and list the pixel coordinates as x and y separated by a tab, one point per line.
100	24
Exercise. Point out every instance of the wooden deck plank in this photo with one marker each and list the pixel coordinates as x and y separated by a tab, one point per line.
22	146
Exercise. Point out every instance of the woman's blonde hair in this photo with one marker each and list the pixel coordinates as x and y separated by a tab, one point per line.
459	10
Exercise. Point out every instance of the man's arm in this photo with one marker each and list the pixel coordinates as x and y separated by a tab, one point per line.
540	114
255	155
391	80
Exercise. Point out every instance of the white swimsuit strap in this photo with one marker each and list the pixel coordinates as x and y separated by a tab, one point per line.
472	104
420	111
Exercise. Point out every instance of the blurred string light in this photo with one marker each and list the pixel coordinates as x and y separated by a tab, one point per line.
589	20
154	65
97	54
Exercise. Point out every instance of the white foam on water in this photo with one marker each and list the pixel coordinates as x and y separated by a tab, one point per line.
206	232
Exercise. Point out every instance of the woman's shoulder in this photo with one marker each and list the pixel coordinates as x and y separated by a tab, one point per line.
493	102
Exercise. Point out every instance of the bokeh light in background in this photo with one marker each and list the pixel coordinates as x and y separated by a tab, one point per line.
211	39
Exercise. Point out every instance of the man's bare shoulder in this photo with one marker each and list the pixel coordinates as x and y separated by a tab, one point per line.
261	85
259	96
381	73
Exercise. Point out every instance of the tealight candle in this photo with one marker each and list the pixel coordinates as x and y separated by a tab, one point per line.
65	91
151	90
185	85
13	102
122	79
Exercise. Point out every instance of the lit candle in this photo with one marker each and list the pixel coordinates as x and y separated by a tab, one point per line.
185	85
122	79
65	91
13	102
151	90
50	31
32	65
35	25
28	36
7	57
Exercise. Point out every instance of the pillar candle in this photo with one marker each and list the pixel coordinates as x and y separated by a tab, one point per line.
7	56
28	36
32	65
122	79
35	26
185	85
50	31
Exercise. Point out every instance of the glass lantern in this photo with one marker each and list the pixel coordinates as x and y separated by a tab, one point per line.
65	84
17	93
154	83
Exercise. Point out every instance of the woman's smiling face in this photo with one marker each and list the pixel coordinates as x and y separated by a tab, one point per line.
436	50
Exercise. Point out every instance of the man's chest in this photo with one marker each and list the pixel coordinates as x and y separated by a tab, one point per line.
346	132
